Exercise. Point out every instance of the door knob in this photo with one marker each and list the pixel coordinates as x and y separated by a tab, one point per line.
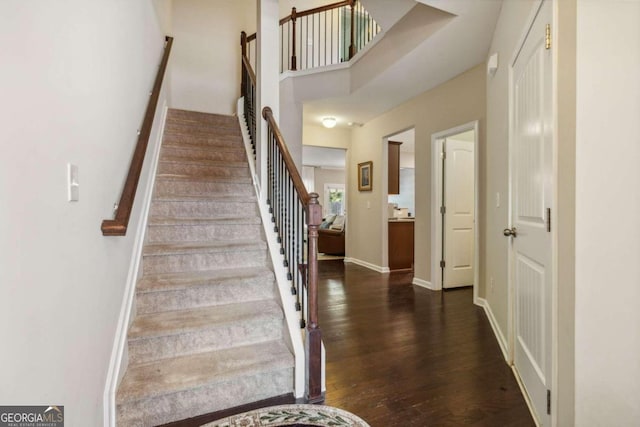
510	232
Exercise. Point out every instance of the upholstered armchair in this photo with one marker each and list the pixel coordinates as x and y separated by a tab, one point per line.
331	235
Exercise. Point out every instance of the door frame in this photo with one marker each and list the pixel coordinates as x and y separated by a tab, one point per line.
436	202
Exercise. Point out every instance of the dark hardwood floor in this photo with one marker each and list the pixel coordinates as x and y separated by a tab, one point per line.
399	355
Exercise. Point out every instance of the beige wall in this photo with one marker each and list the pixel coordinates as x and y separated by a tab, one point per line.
607	281
338	137
458	101
205	75
514	17
75	81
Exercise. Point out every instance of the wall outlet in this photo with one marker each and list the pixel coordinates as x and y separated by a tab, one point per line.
497	199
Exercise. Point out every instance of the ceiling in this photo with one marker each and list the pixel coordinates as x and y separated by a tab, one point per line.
428	42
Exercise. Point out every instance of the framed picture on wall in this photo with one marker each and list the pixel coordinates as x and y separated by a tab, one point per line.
365	176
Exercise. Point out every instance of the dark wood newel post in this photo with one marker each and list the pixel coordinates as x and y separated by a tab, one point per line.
313	333
352	46
294	65
243	43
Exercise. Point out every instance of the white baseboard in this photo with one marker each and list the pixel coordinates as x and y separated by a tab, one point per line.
424	284
502	342
525	395
366	264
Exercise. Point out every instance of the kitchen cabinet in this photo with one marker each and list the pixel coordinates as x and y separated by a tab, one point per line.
394	167
401	239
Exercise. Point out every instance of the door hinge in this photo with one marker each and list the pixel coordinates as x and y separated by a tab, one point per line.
443	210
442	263
549	220
548	402
443	155
547	37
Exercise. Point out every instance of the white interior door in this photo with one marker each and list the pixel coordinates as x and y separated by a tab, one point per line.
531	176
458	218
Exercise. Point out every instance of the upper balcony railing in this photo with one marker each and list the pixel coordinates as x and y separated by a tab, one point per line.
322	36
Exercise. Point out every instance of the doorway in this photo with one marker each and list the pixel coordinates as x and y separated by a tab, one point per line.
398	210
454	208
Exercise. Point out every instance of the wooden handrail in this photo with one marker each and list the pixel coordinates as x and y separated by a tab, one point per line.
303	194
246	63
317	10
326	8
118	226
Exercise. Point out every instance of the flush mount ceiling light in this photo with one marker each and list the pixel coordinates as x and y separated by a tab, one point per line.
329	122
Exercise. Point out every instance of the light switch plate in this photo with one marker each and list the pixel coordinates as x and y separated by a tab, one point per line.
73	184
497	200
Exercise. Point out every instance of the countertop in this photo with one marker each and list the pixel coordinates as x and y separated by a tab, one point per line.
412	219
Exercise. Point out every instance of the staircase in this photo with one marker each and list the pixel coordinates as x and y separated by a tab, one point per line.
208	332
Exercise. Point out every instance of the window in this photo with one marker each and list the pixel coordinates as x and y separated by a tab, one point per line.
334	199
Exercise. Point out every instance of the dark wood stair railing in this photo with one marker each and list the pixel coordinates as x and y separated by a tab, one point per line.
331	43
118	226
293	210
248	89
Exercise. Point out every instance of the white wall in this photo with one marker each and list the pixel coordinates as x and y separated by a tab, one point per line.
75	79
206	70
494	160
607	335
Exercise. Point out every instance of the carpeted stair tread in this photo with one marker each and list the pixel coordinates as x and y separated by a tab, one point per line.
204	208
195	128
192	289
198	370
203	178
178	281
221	198
180	248
199	116
180	321
203	162
203	188
203	142
233	220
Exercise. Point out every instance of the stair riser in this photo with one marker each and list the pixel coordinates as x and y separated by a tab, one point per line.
168	188
229	292
199	117
198	128
200	170
232	154
203	209
203	261
210	142
225	336
197	233
190	403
